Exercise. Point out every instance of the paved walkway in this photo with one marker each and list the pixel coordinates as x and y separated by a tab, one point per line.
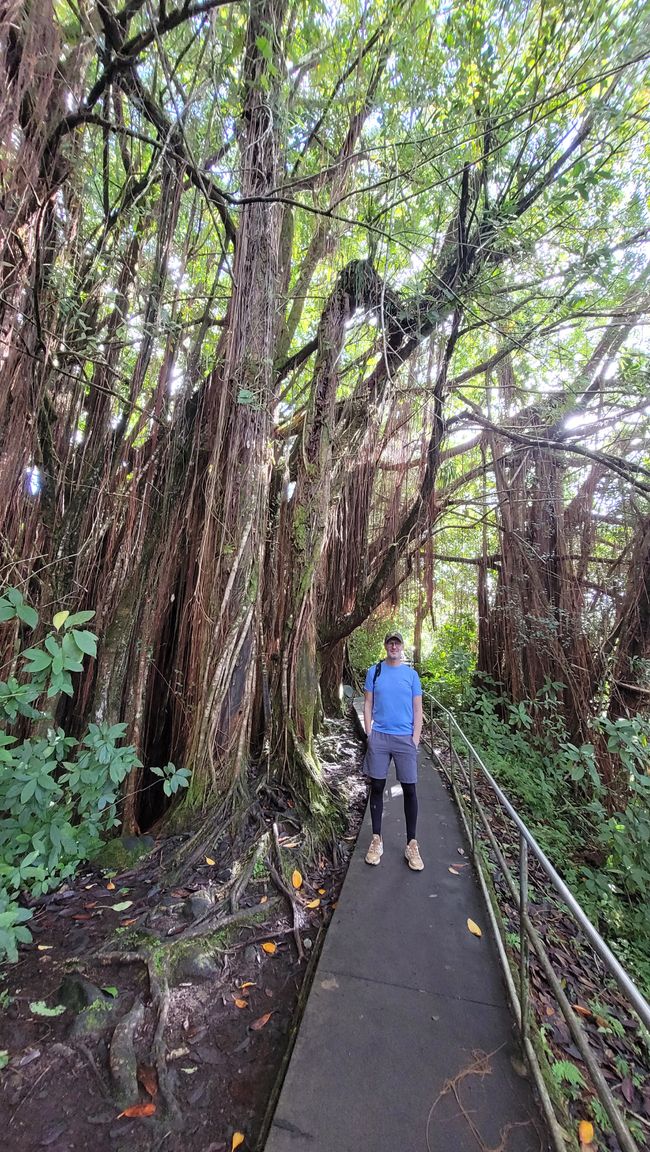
407	1043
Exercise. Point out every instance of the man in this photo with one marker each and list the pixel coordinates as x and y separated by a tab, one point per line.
392	715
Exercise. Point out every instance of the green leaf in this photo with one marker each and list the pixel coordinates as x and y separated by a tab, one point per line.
85	641
28	615
111	990
59	619
122	906
40	1008
78	618
7	611
38	660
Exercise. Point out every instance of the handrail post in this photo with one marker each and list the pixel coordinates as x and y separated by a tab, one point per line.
523	936
451	751
472	801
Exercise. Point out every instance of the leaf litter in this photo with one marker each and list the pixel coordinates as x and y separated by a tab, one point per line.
223	1063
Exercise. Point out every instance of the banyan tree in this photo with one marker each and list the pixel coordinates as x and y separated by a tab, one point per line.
278	281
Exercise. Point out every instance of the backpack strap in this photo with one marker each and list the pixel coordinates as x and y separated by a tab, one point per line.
377	673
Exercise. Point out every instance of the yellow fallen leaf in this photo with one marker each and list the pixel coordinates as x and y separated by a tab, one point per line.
248	984
263	899
269	947
237	1140
296	878
312	904
585	1132
454	872
110	886
209	860
322	891
241	1003
474	928
44	947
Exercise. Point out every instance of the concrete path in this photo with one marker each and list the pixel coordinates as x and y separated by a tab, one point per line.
407	1043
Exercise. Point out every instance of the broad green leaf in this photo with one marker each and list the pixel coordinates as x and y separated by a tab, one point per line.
85	641
59	619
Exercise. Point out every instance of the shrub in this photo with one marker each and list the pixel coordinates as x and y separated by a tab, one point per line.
58	795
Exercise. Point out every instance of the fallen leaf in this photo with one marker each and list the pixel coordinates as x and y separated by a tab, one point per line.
127	923
44	947
454	872
263	899
248	984
237	1140
550	1011
122	906
322	891
312	903
176	1053
110	886
461	851
209	860
261	1022
190	1071
474	928
147	1109
581	1012
148	1078
93	904
270	947
87	886
627	1088
585	1132
83	916
241	1003
296	878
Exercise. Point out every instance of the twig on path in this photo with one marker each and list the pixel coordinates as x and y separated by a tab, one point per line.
480	1067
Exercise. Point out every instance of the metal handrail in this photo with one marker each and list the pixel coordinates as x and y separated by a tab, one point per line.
528	933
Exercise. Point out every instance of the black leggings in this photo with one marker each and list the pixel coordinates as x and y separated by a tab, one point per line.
377	807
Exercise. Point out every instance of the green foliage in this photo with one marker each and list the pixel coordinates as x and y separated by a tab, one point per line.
564	1072
40	1008
543	772
448	671
58	795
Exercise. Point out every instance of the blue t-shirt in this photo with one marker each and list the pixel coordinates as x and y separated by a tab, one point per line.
392	705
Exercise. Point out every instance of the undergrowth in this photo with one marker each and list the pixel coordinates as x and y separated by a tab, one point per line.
58	795
555	785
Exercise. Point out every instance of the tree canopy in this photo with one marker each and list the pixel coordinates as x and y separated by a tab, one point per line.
297	298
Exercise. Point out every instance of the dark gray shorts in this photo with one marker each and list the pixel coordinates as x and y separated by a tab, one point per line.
383	745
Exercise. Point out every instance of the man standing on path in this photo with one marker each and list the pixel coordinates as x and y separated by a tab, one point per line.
392	715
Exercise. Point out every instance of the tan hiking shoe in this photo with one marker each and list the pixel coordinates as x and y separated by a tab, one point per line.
373	855
412	856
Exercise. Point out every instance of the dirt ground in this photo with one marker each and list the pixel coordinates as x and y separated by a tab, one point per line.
228	1015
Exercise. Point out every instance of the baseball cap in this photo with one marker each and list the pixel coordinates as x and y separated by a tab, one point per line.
394	635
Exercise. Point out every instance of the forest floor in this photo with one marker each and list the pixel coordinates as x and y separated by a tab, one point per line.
195	1046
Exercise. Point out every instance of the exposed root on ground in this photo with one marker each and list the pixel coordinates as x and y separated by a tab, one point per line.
481	1066
276	876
